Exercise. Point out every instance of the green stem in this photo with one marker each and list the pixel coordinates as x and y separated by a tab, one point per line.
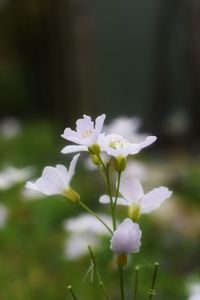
95	215
106	171
137	268
100	281
117	191
152	291
111	200
72	292
121	276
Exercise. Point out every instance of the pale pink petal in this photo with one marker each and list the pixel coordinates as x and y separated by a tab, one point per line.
72	167
153	199
105	199
84	124
71	135
131	189
73	149
63	173
48	188
147	141
31	185
53	176
126	239
99	123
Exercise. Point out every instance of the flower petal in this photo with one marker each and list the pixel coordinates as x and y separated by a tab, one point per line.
153	199
71	135
31	185
84	124
63	173
99	123
147	141
72	167
105	199
50	183
126	238
73	149
47	188
131	189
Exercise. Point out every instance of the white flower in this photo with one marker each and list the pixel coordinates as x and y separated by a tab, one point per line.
87	223
76	245
11	176
194	291
116	145
86	134
134	197
84	230
137	169
125	126
10	128
3	215
126	239
54	181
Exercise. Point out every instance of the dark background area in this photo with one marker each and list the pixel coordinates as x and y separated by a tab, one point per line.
59	59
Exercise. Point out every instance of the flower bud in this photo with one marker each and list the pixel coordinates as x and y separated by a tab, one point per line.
134	212
126	239
71	195
95	159
120	163
121	260
94	149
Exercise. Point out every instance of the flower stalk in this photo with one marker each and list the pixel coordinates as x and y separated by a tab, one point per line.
121	277
96	270
152	291
72	292
95	215
137	268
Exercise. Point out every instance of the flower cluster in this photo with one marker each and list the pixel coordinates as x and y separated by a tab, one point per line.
90	137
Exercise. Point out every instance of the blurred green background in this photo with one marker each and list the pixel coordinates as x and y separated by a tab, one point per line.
60	59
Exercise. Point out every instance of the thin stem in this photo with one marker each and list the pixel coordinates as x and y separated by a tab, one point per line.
121	276
137	268
95	215
117	191
100	281
111	200
152	291
106	171
72	292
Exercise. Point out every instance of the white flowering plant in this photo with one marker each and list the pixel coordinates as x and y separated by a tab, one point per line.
126	234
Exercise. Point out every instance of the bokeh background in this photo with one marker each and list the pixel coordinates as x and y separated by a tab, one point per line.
61	59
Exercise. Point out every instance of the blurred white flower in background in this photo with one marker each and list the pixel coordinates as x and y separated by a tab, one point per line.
10	176
3	215
137	169
10	127
84	230
178	123
76	245
194	291
28	194
127	127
